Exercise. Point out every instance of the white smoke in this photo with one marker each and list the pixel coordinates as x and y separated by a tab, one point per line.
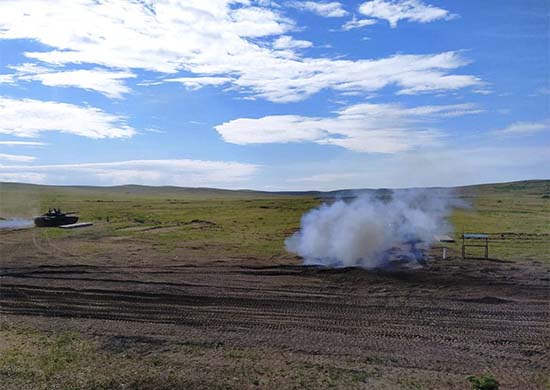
16	223
364	231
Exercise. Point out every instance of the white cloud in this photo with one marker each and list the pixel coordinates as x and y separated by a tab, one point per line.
199	82
287	42
22	177
28	68
257	22
221	42
178	172
109	83
357	23
395	10
291	81
154	130
22	143
372	128
524	128
6	79
331	9
164	36
16	157
28	118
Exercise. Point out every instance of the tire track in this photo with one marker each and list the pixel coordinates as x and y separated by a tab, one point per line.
409	325
454	323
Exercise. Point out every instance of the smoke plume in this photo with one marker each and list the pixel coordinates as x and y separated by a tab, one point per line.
369	229
16	223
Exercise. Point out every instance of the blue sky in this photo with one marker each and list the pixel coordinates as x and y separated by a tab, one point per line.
274	95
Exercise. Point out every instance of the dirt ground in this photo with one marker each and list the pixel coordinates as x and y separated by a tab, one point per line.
422	328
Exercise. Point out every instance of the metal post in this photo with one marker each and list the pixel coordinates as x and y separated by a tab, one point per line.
444	253
487	247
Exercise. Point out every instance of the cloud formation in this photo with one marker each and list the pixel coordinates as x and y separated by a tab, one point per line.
287	42
106	82
525	128
16	157
225	41
292	81
333	9
29	117
22	143
6	79
199	82
370	128
357	23
179	172
395	10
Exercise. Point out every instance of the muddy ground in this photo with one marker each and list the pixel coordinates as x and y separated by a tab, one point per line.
422	328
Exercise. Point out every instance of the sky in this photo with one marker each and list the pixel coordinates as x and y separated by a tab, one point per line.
274	95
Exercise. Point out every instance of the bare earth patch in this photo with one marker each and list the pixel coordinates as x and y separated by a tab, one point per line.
270	323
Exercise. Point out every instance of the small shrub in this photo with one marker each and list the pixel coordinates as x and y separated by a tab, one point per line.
483	382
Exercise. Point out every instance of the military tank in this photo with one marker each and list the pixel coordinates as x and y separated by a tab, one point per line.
55	218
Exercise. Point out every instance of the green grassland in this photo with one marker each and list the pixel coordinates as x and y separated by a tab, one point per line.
233	222
248	223
515	215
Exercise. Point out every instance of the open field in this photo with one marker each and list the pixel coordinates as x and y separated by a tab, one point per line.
173	288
